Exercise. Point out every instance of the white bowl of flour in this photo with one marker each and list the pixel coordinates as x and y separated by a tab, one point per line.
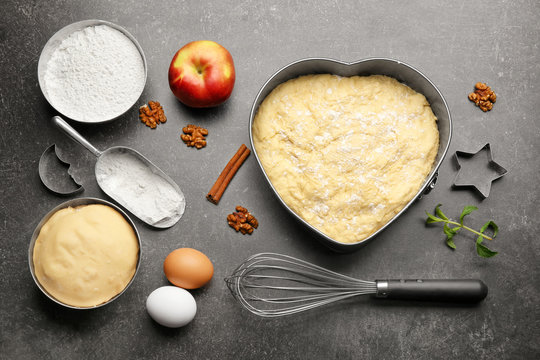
92	71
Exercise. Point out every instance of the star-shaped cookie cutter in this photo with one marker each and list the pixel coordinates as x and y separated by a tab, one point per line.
481	177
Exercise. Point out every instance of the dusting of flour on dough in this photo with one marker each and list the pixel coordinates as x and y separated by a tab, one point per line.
346	153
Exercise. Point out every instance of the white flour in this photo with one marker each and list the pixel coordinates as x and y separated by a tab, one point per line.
95	74
148	196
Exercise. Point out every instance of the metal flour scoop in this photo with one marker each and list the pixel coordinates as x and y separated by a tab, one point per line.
134	182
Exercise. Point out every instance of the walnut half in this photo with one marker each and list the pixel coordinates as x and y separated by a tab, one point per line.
153	115
194	136
242	220
483	96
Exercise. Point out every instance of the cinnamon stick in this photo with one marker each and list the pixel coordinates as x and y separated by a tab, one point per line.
215	193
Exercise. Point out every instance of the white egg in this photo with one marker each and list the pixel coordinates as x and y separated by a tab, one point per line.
171	306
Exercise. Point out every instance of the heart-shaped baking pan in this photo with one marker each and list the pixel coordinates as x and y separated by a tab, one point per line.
405	74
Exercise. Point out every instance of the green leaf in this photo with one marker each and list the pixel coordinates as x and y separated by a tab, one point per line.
466	211
483	251
432	219
449	231
489	224
439	212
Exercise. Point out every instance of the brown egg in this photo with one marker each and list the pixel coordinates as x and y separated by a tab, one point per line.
188	268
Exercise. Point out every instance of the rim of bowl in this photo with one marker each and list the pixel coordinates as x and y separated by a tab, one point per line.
74	203
61	35
429	180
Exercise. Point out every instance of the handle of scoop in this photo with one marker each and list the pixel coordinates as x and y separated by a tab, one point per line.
463	291
62	124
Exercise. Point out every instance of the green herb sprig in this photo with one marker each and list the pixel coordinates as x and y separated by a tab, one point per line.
449	231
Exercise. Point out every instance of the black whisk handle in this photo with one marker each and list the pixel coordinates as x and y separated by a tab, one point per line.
463	291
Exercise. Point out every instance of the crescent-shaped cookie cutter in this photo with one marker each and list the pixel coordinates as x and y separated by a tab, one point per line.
53	171
482	178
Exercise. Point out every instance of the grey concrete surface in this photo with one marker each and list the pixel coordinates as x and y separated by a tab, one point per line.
454	43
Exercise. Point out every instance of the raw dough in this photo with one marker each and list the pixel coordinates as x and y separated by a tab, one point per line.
346	153
85	256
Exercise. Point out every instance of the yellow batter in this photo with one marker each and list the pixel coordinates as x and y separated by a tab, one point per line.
86	255
346	154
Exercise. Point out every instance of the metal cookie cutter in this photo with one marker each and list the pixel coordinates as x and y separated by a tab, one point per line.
479	174
54	173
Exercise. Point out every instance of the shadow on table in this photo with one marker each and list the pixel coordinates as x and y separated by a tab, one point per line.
78	320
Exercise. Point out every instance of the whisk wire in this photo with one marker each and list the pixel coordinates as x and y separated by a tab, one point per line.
313	270
272	285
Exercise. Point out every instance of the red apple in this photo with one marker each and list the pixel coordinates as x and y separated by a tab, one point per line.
202	74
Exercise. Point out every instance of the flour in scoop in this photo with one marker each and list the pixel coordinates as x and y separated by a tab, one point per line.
128	180
95	74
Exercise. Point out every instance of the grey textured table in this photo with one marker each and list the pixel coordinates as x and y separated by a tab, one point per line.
454	43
